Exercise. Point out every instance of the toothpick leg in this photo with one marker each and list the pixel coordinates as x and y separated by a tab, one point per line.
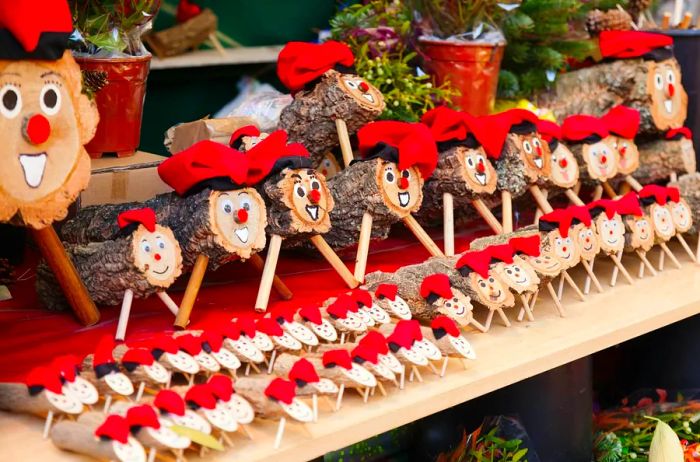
670	255
273	253
686	247
280	432
165	298
448	224
646	262
527	309
573	285
124	314
617	260
555	299
589	269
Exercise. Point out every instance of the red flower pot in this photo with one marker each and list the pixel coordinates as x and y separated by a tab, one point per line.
119	102
470	68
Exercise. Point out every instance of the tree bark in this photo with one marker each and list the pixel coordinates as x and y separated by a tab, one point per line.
183	37
79	438
659	158
510	169
253	390
15	397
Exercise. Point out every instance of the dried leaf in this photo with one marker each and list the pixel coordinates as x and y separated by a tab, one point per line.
198	437
665	445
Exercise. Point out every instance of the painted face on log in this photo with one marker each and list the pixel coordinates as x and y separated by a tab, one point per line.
365	93
308	197
182	362
226	359
402	190
119	383
462	346
329	166
287	341
222	418
242	410
565	249
81	389
586	240
669	100
157	255
390	361
360	375
544	265
564	171
601	159
325	330
157	372
249	142
168	438
301	333
397	307
611	233
45	120
379	370
378	314
191	420
459	307
535	155
640	232
239	220
428	349
628	154
491	290
262	342
131	451
207	362
519	275
298	410
67	403
478	171
682	218
663	221
245	349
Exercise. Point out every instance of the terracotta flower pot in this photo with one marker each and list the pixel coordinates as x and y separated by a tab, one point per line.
471	68
119	102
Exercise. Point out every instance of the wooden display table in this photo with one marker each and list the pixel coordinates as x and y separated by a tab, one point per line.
505	356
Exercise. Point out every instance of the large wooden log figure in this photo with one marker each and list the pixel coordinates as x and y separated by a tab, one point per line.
623	124
661	159
296	196
639	71
330	101
464	174
143	259
385	187
564	172
655	200
45	120
611	232
639	230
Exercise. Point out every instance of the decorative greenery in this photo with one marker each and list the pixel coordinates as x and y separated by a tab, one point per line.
460	18
379	34
491	446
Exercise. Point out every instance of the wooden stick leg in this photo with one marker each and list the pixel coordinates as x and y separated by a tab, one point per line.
597	192
414	370
573	285
555	299
662	258
422	236
363	247
686	247
487	215
344	138
478	325
503	317
573	197
647	263
339	398
527	309
314	406
277	283
489	318
193	285
152	452
382	390
448	224
365	395
402	380
66	275
217	44
560	288
630	180
609	190
540	198
443	369
507	211
273	253
165	298
670	255
280	432
322	246
47	424
640	273
589	269
616	271
124	314
108	404
618	263
139	393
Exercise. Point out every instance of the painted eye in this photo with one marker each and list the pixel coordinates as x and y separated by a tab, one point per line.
50	99
624	145
227	206
300	190
659	81
482	284
326	162
670	77
470	162
352	84
246	202
509	271
491	280
480	159
536	142
527	147
11	101
554	158
315	185
594	153
455	300
389	176
448	304
558	241
160	242
406	174
146	247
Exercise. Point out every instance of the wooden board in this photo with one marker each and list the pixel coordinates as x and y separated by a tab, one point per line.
233	56
505	356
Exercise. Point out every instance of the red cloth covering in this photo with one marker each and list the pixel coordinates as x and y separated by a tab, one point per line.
362	297
44	377
139	356
221	386
340	357
247	326
548	130
630	44
300	62
303	371
576	128
410	327
445	324
200	396
211	340
608	206
674	194
103	351
189	344
26	20
683	132
67	366
580	213
281	390
248	130
375	340
386	291
447	124
528	245
262	156
629	205
622	121
142	416
269	326
559	218
340	307
311	313
366	353
115	427
501	252
495	128
438	284
476	260
285	312
145	216
659	193
186	10
414	142
170	402
401	338
204	160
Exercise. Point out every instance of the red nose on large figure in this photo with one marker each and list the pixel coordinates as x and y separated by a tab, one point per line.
36	129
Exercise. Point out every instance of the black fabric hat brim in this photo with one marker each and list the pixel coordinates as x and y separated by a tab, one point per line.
50	47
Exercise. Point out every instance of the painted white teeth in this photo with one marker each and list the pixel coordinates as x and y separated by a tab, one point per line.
481	178
312	210
33	166
404	198
538	162
368	97
242	234
668	104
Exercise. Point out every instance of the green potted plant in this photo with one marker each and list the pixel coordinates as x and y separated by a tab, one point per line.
461	43
107	46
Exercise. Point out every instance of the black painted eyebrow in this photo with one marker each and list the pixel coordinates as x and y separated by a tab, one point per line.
46	74
294	175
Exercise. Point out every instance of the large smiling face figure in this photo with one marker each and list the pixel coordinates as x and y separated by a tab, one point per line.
639	232
586	240
611	233
662	220
402	190
565	249
477	170
45	121
519	275
601	159
535	155
680	212
363	92
669	99
492	291
157	255
629	154
564	170
239	219
459	307
308	198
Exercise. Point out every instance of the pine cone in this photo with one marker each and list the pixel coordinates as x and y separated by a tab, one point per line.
637	7
93	81
597	21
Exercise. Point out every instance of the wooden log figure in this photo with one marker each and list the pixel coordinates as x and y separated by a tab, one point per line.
382	189
247	327
104	372
110	440
564	173
286	317
342	312
589	140
166	352
312	317
171	407
611	231
639	71
330	101
69	368
202	398
661	159
639	230
154	433
387	297
516	273
304	375
222	389
445	334
655	200
689	187
623	124
185	36
142	368
45	120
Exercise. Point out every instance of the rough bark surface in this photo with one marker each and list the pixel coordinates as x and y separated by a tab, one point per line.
14	397
659	158
183	37
510	169
689	185
253	390
80	438
333	374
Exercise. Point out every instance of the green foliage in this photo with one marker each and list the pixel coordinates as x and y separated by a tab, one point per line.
490	447
448	18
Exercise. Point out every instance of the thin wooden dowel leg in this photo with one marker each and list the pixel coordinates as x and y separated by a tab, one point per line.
272	362
507	211
573	197
630	180
139	393
314	406
573	285
363	247
686	247
587	282
320	243
66	275
339	398
560	288
589	270
273	253
487	215
527	309
165	298
503	317
422	236
124	314
662	258
280	432
277	283
443	369
616	271
217	44
640	273
380	385
414	370
670	255
448	223
478	325
47	424
555	299
597	192
344	139
489	319
151	454
108	403
540	198
365	396
647	263
618	263
609	190
193	285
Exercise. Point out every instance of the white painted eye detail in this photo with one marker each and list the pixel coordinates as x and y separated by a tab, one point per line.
659	81
481	159
352	84
146	247
389	175
245	201
300	190
160	242
10	101
527	147
670	77
315	184
227	206
406	174
536	142
326	163
470	162
50	99
554	158
558	241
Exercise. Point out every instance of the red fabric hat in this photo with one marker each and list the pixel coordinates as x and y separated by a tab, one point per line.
629	205
364	352
67	366
579	214
200	396
376	341
41	378
678	133
142	416
475	260
311	313
303	372
577	128
300	63
622	121
528	245
138	356
436	286
162	342
608	206
362	298
269	326
34	30
103	351
631	44
447	124
653	193
442	325
115	427
386	291
281	390
246	324
221	386
231	331
248	130
407	144
493	132
338	357
403	338
340	307
204	164
561	219
283	312
548	130
212	341
501	252
411	327
674	194
273	154
145	216
189	344
170	402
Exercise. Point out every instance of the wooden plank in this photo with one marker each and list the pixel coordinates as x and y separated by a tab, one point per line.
232	56
505	356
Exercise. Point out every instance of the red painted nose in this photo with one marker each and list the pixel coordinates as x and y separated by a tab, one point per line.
539	151
563	163
480	167
364	86
604	160
671	90
241	216
403	183
563	249
156	257
36	129
622	150
314	196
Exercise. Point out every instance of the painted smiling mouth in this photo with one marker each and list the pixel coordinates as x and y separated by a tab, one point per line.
481	178
242	234
312	210
538	162
404	198
612	241
668	105
521	282
33	166
460	312
587	249
368	97
495	297
162	272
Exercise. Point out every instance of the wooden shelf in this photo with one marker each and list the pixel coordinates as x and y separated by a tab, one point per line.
233	56
505	356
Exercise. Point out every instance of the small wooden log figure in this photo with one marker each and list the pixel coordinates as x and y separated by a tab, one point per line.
564	172
69	368
304	375
171	407
241	345
111	440
108	377
296	196
45	120
341	312
464	174
376	341
611	231
654	199
330	101
661	159
368	357
639	230
516	273
249	331
386	296
141	368
444	298
165	350
192	345
623	124
153	434
682	217
222	388
425	346
402	342
281	339
313	319
285	316
639	71
201	399
445	334
367	307
382	189
587	240
194	27
338	366
329	165
213	343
